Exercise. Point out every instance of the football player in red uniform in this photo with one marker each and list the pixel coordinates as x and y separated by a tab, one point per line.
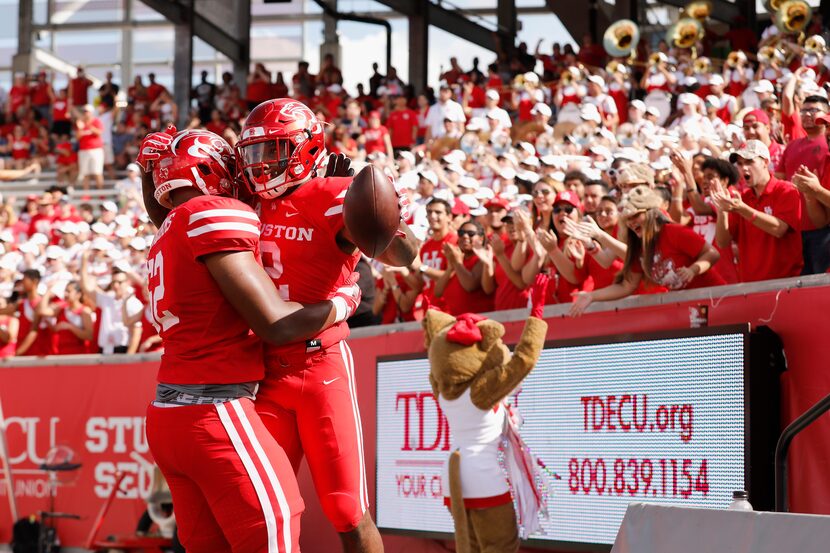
233	486
308	398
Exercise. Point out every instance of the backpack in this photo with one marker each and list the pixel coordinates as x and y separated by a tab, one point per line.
25	533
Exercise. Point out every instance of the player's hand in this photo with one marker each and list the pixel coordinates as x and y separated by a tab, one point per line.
537	295
153	145
339	166
347	298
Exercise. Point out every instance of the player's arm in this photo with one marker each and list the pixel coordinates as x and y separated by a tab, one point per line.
402	250
246	285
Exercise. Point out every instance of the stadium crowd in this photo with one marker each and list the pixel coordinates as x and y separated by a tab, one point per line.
620	178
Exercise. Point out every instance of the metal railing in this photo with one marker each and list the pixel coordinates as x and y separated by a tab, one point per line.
806	419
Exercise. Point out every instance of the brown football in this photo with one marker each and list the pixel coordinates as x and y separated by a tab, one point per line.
370	211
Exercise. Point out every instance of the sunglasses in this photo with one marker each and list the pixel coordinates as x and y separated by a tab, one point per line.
469	233
568	209
542	192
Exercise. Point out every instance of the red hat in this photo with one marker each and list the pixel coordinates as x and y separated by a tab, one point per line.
374	113
497	202
568	197
460	208
823	119
759	115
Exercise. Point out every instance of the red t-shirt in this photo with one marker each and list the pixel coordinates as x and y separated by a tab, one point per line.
761	256
6	349
677	247
65	154
153	91
64	341
400	124
21	147
458	300
60	110
43	343
432	255
810	153
206	341
375	139
792	126
602	277
477	97
17	97
507	296
258	90
563	290
91	141
40	94
79	87
217	127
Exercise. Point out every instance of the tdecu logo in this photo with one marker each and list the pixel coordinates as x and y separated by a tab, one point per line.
425	428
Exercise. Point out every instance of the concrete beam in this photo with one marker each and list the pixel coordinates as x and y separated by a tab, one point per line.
183	67
22	60
331	40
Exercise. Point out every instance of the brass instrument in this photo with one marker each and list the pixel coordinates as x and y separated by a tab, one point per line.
772	5
793	16
699	9
702	65
734	58
815	45
769	54
570	75
621	38
615	66
685	33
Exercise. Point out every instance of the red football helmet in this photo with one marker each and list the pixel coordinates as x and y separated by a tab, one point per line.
281	146
197	158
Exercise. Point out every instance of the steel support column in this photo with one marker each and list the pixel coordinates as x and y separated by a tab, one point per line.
183	64
127	47
418	45
331	39
508	23
22	60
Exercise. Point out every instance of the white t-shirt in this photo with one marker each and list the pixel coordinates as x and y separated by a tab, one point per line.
438	112
113	332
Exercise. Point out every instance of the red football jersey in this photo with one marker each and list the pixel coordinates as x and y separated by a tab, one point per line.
205	340
299	246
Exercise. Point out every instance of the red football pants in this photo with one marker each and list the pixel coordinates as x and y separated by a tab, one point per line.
309	404
232	485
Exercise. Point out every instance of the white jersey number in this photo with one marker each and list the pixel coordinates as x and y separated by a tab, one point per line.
164	320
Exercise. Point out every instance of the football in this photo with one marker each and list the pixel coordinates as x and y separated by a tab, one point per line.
370	211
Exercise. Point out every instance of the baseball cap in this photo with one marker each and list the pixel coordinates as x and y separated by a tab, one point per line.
68	227
688	99
54	252
469	182
39	238
759	115
527	147
100	228
716	80
109	206
138	243
531	161
639	105
763	86
493	94
133	167
589	112
822	119
597	80
541	109
460	208
507	173
651	110
88	107
408	156
751	150
125	232
497	202
429	176
477	124
568	197
455	156
531	77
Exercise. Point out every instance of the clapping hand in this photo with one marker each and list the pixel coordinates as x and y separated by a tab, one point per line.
548	240
805	180
497	245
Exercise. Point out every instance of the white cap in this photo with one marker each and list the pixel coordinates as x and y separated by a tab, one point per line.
138	243
763	86
445	195
601	151
597	80
527	147
39	239
507	173
493	94
429	175
6	236
455	156
29	247
100	228
101	244
639	105
469	200
68	227
125	232
528	176
531	77
716	80
478	211
55	252
477	124
532	161
109	206
484	193
455	168
689	81
408	156
651	110
123	220
83	227
133	167
469	182
408	180
713	101
541	109
589	112
688	98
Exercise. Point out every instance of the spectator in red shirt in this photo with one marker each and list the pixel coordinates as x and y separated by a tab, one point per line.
90	147
21	148
19	100
34	336
279	89
432	262
154	89
79	89
42	97
503	261
329	73
403	125
137	94
396	299
660	251
74	326
303	81
765	221
376	137
757	126
460	285
259	86
9	327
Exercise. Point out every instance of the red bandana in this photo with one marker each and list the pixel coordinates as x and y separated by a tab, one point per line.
465	331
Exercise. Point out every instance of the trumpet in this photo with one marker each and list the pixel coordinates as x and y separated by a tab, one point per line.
815	45
700	10
793	16
615	66
735	58
621	38
769	54
685	33
570	76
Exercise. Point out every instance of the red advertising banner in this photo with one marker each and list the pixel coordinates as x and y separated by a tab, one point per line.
96	410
